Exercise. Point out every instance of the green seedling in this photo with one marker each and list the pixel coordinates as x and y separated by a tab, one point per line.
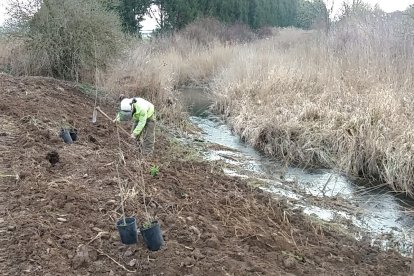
154	170
148	224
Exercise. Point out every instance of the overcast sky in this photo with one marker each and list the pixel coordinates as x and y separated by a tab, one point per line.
386	5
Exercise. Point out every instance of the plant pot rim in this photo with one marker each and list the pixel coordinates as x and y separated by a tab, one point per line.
121	220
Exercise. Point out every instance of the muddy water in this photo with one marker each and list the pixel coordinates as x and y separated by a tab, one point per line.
364	211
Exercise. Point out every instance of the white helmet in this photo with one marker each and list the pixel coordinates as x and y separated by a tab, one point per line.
126	105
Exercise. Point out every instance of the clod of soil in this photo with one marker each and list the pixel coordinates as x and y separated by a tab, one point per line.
92	139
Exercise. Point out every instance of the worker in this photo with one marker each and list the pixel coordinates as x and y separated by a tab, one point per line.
142	114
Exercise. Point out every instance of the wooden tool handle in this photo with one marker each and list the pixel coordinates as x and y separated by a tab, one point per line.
109	118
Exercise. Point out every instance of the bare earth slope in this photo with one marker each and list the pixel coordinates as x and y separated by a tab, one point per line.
61	220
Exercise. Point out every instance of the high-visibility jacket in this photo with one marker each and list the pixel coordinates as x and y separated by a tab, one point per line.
142	110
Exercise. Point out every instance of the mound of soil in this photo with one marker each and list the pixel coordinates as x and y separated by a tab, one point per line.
60	219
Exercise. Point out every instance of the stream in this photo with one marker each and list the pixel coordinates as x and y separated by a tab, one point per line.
362	209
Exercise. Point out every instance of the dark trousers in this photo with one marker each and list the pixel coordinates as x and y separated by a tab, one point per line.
146	140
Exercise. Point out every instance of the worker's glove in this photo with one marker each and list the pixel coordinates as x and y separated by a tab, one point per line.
133	136
114	121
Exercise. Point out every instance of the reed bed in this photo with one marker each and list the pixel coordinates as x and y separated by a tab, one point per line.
342	100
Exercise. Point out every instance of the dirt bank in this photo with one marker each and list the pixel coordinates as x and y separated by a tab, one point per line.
59	220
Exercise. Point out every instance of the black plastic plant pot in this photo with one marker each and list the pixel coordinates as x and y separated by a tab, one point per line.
153	236
127	231
65	135
73	132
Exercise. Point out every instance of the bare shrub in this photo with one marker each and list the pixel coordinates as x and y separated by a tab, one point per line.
209	30
204	31
5	55
67	39
265	32
238	33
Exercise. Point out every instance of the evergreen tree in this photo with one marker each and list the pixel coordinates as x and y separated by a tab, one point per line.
131	12
176	14
311	14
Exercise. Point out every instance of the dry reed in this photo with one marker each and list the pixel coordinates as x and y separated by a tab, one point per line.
341	101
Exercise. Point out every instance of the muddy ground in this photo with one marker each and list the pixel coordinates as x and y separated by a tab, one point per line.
60	220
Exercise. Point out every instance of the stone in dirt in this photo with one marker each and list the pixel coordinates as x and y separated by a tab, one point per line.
197	254
213	242
11	227
188	261
132	263
289	262
129	252
83	257
99	266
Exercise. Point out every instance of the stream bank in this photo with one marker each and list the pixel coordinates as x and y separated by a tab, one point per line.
352	204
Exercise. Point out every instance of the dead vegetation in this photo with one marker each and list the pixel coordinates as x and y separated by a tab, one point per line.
340	100
66	40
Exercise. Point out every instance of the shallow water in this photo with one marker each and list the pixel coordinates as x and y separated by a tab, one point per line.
323	193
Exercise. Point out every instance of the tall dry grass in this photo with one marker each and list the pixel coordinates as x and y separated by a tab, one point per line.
6	48
342	101
155	69
193	57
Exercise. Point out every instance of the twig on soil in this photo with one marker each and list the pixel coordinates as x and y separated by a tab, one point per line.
316	229
248	237
226	273
274	223
112	259
285	218
293	239
285	236
16	176
100	234
109	164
